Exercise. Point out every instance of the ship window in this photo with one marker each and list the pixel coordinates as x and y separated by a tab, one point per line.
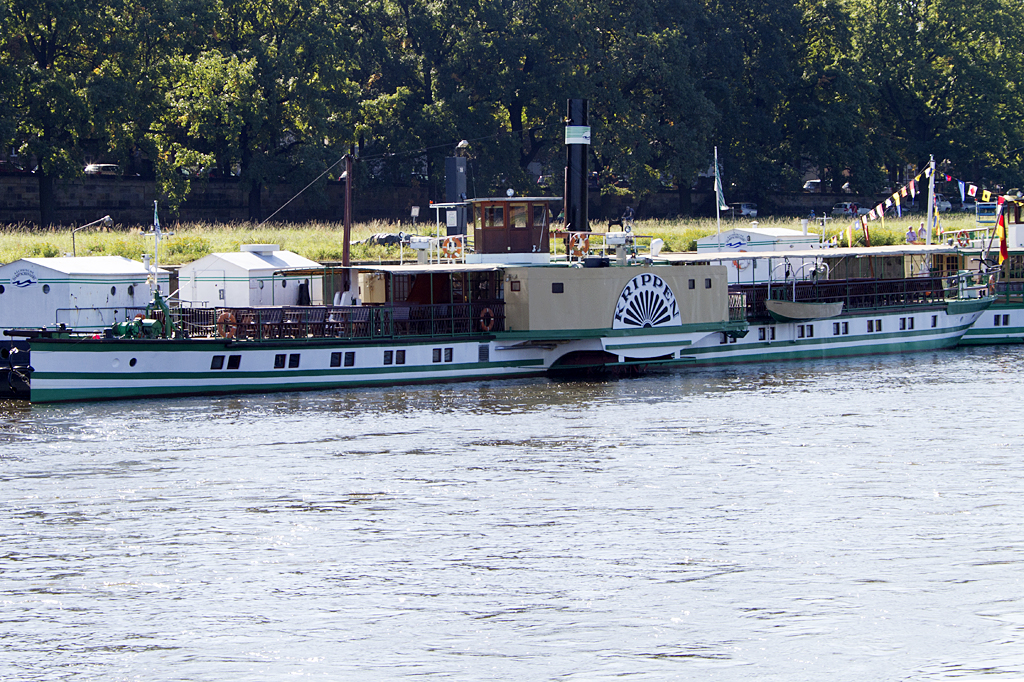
846	327
513	285
810	331
878	325
1006	321
2	290
871	326
113	291
540	214
995	321
336	359
692	284
771	333
494	216
131	290
279	361
399	357
293	360
935	321
448	352
217	362
800	331
437	355
234	361
707	283
350	358
389	357
132	362
725	338
910	323
835	329
903	323
762	334
46	288
517	212
557	287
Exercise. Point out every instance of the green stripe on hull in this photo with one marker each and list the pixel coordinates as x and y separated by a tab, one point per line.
491	371
781	351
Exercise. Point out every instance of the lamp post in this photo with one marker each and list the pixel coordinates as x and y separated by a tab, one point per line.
107	222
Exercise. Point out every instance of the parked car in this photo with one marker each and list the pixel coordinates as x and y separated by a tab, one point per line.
846	208
748	210
969	206
812	186
942	204
107	169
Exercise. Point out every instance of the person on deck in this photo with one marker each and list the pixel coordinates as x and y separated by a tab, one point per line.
911	235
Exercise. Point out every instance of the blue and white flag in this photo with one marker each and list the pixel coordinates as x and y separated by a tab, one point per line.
963	190
156	220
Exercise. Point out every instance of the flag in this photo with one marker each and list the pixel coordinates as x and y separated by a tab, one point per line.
949	178
1004	251
156	220
871	214
913	189
719	192
867	234
849	235
963	197
986	195
888	202
928	172
972	190
903	191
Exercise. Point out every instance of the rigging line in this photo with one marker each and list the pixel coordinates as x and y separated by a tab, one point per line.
391	155
296	195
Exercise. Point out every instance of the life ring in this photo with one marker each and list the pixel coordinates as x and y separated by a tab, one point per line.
227	326
963	239
741	265
486	319
452	248
579	245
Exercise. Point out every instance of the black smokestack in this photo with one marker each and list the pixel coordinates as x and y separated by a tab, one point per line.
577	140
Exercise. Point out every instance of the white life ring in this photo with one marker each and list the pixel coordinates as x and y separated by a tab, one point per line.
741	264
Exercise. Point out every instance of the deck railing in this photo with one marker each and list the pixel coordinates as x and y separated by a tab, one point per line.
855	294
349	322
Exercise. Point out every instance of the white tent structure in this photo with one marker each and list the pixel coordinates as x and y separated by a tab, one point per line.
87	292
756	239
257	275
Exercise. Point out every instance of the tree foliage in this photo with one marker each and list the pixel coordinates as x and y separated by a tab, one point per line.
856	90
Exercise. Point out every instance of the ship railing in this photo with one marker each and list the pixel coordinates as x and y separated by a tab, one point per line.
95	317
346	322
855	294
737	306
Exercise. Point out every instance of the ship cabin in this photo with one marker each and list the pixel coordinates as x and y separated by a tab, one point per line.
511	229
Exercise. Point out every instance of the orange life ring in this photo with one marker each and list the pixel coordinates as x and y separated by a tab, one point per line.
744	266
579	245
963	239
486	319
227	326
452	247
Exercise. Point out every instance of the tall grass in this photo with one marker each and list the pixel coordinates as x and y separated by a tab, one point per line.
186	242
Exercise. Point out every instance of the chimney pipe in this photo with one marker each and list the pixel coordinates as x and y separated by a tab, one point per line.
577	139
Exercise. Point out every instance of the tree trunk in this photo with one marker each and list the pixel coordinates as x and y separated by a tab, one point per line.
47	209
255	206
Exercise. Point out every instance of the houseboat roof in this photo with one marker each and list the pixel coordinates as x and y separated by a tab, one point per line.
89	265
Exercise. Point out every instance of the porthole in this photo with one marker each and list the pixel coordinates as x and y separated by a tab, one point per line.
131	290
131	363
46	288
113	291
2	288
284	283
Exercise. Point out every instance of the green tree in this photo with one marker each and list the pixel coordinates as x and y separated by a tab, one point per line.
51	51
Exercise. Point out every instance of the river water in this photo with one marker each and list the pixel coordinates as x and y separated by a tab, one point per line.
849	520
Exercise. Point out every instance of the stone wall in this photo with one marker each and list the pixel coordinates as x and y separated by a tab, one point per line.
129	201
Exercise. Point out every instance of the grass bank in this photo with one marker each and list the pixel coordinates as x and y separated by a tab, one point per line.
323	241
